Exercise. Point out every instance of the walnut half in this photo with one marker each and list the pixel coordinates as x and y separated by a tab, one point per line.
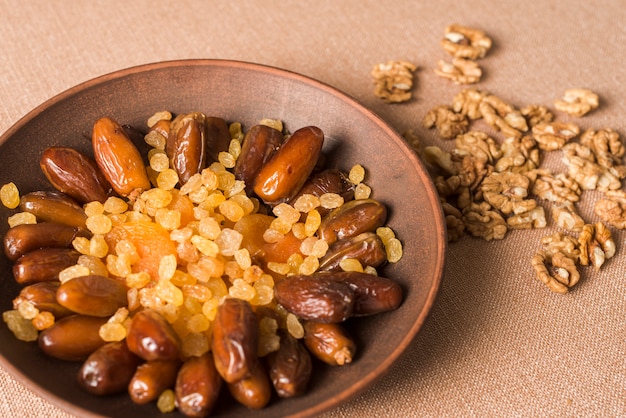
612	208
577	102
393	81
463	42
558	272
459	71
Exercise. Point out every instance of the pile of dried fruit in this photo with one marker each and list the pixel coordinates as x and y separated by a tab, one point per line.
488	186
231	259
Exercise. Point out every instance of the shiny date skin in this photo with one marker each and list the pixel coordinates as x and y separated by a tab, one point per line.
151	379
55	207
330	180
329	343
372	294
109	369
217	136
118	158
43	296
235	339
151	337
289	168
75	174
198	386
317	298
92	295
188	146
290	367
259	144
43	265
253	391
352	218
367	247
22	239
72	338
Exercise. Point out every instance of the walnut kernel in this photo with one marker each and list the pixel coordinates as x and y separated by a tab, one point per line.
448	123
612	208
552	136
565	273
393	81
482	221
565	216
467	102
536	114
459	71
463	42
577	102
519	155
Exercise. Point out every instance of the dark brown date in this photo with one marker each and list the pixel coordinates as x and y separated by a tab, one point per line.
254	390
319	299
72	338
151	337
218	136
188	145
372	294
329	343
118	158
329	180
290	367
22	239
198	386
288	169
93	295
54	207
43	296
75	174
259	144
108	370
43	265
235	339
367	247
352	218
151	378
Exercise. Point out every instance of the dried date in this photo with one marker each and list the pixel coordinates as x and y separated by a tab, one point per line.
290	367
92	295
259	144
197	386
289	168
254	390
43	265
108	370
329	343
54	207
151	379
352	218
367	247
22	239
188	145
317	298
235	339
75	174
72	338
151	337
43	296
118	158
372	294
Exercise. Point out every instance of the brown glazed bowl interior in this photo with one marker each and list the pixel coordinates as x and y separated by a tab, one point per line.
244	92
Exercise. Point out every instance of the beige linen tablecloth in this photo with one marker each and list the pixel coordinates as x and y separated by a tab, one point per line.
497	343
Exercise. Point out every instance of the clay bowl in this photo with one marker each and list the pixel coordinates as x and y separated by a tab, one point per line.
244	92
